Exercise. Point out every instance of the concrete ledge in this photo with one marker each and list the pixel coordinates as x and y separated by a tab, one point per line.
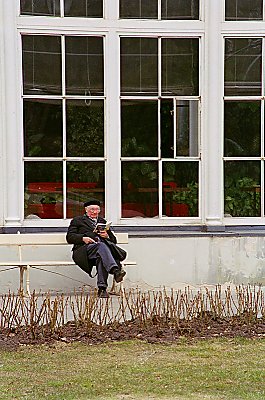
158	231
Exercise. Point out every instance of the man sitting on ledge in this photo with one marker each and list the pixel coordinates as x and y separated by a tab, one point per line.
95	248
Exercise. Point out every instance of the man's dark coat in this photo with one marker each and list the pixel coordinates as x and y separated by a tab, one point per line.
78	228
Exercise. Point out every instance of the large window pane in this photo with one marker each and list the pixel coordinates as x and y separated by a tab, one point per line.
180	189
139	66
42	64
43	190
180	67
40	7
139	189
242	128
139	135
42	128
182	114
239	10
85	128
84	66
138	9
180	9
242	188
85	181
83	8
243	66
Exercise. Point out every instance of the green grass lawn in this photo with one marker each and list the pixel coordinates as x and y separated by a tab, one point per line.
207	369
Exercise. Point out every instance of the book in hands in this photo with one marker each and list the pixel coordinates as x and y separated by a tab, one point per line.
101	227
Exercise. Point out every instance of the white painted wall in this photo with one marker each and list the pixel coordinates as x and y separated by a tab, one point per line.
161	262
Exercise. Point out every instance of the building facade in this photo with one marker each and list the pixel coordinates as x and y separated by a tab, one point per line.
153	107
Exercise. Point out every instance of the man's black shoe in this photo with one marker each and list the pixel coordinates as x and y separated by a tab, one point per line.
103	294
119	275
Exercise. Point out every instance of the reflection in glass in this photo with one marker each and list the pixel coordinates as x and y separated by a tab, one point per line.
83	8
240	10
42	128
139	135
147	9
139	66
180	9
180	189
242	188
185	118
243	66
180	67
242	133
84	66
85	128
41	64
167	127
43	190
40	7
85	181
139	189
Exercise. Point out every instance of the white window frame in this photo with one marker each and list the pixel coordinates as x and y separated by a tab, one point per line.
211	29
63	98
158	158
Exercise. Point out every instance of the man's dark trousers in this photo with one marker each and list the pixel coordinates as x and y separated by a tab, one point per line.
104	261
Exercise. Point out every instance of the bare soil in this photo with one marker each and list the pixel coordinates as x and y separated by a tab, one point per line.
152	331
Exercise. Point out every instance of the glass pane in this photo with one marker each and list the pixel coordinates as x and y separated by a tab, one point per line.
139	189
185	119
180	67
186	128
139	66
180	9
139	135
242	128
83	8
43	190
180	189
85	128
239	10
85	181
84	66
40	7
42	71
243	66
167	127
138	9
242	188
42	128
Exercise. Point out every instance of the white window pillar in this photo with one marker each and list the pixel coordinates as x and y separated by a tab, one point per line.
112	126
111	9
213	89
2	113
13	142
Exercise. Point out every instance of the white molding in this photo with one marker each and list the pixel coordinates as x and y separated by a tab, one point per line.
213	87
13	137
2	118
112	120
84	24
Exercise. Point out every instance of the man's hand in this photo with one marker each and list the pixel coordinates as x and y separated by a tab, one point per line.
88	240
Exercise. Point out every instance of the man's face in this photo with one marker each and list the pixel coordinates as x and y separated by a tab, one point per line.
92	211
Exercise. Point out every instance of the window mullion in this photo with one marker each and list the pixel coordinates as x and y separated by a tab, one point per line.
62	8
64	188
159	66
174	127
159	9
64	122
160	188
